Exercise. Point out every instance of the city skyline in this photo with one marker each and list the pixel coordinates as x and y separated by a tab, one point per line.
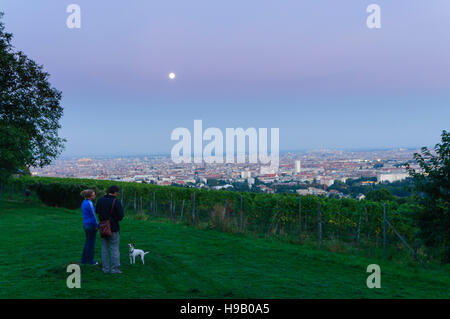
305	173
315	71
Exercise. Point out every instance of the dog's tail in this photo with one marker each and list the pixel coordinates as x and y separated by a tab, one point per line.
145	253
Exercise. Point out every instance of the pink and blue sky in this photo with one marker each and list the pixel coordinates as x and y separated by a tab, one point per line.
309	67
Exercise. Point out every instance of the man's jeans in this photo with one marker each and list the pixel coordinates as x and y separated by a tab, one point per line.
89	247
111	244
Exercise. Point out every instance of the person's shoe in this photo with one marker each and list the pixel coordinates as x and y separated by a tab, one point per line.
116	272
106	271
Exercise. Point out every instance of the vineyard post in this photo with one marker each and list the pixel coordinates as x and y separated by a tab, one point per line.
319	222
154	203
367	223
170	205
242	216
121	195
306	221
384	230
405	243
141	204
193	208
134	200
300	219
174	210
197	210
151	203
225	209
358	229
182	208
279	217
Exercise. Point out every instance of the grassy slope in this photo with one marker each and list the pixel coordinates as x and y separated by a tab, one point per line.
37	243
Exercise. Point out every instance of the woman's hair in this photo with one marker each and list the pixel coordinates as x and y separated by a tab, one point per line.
87	193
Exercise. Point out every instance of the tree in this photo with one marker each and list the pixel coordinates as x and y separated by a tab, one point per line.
30	111
12	156
432	181
378	165
380	195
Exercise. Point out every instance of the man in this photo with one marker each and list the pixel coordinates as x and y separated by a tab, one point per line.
115	215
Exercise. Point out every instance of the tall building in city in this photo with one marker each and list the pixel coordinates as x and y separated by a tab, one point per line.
298	167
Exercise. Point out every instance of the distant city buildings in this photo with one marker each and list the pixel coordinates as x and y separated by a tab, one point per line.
316	171
84	162
246	174
298	167
311	191
392	177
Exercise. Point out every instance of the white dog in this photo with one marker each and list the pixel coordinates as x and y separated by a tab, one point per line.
136	252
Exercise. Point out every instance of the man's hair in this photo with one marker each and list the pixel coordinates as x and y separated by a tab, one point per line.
113	189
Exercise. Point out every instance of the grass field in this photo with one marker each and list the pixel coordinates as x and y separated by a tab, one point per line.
38	242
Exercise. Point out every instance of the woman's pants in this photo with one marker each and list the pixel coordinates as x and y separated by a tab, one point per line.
111	244
89	247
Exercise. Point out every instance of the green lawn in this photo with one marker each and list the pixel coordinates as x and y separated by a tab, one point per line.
38	242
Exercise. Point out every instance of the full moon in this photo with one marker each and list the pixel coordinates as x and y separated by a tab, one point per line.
171	75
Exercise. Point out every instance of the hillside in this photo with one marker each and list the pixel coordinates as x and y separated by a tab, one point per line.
38	243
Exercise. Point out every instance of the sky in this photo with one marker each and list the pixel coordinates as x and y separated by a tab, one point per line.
311	68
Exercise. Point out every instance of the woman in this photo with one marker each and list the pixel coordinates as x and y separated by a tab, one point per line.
90	226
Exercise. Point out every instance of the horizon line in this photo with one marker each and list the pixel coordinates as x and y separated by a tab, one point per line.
156	154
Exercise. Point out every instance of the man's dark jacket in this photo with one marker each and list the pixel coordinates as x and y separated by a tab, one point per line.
103	210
